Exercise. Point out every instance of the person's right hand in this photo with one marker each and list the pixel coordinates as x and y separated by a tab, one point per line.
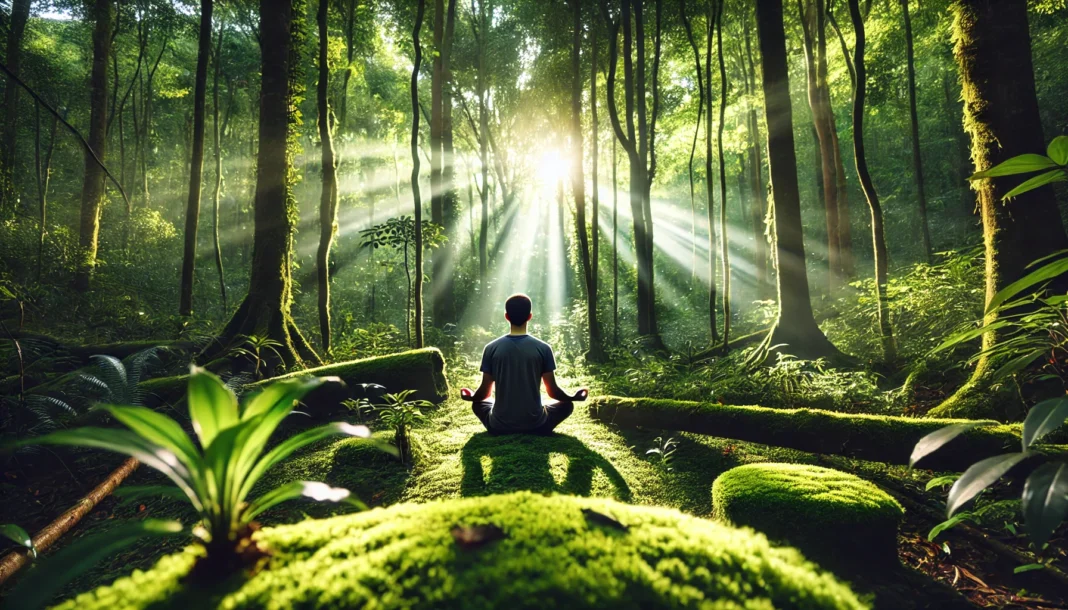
466	394
581	395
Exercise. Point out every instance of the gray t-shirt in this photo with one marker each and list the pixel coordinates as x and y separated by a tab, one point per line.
517	363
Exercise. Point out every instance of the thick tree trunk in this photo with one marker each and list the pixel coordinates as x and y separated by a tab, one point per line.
578	186
993	52
328	198
917	161
795	327
265	310
196	169
93	180
417	201
217	193
20	13
878	235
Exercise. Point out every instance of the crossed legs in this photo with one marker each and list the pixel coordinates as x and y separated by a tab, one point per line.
555	413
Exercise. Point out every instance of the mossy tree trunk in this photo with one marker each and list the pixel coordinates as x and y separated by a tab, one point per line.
265	310
993	52
878	234
795	326
328	198
196	169
93	180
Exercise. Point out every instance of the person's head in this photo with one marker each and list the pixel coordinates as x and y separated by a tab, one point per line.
517	309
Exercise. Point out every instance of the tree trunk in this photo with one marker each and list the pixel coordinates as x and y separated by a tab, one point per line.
437	207
217	193
595	194
350	20
20	13
44	173
328	199
415	175
758	197
443	299
917	161
578	186
615	244
993	52
265	310
795	326
483	149
725	241
696	129
709	176
196	169
93	180
878	235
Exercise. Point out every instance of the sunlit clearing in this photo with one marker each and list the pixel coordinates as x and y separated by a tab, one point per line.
551	168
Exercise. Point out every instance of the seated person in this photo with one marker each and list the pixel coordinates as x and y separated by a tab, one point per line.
516	362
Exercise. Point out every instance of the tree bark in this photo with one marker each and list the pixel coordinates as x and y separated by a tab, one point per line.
917	160
196	169
993	52
343	112
483	147
217	193
725	241
328	198
93	180
758	196
418	204
710	20
795	326
437	207
696	129
44	174
20	13
878	235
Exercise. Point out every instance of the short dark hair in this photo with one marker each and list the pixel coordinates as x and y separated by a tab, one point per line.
517	307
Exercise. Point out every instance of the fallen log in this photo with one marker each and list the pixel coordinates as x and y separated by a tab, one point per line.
878	438
422	370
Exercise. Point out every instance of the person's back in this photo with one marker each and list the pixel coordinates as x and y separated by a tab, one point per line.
517	363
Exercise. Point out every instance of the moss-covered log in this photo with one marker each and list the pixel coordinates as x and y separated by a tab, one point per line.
868	437
422	370
515	551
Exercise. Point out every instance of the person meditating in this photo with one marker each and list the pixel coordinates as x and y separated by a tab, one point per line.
517	362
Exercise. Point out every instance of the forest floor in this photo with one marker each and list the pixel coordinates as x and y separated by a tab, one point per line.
456	458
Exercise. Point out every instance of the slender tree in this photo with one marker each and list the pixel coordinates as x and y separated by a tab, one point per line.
724	239
93	178
755	163
481	30
917	160
795	326
328	198
192	207
878	235
710	184
350	50
16	28
43	171
420	10
696	129
217	192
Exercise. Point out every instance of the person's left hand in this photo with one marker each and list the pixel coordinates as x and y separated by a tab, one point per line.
466	394
581	395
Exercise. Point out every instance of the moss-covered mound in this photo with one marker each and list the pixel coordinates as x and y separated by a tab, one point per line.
878	438
547	553
828	514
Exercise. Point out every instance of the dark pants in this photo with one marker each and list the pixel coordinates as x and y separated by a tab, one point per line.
555	412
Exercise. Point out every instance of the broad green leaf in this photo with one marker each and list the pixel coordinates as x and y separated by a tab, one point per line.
1042	274
1043	418
41	584
978	477
968	335
1045	501
1019	363
288	446
1058	150
1057	175
126	443
212	406
1021	164
286	391
19	536
159	429
320	492
947	524
936	440
941	481
220	461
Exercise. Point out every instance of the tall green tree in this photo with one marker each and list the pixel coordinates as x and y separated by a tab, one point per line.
328	198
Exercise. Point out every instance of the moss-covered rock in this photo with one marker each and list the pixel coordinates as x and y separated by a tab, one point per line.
830	515
878	438
550	555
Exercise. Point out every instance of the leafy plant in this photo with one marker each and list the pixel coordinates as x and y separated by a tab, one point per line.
19	536
217	475
400	415
1053	165
1045	493
255	348
664	449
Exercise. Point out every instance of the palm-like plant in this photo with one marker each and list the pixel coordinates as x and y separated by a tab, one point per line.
217	474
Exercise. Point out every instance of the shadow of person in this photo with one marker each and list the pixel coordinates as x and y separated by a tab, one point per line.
524	462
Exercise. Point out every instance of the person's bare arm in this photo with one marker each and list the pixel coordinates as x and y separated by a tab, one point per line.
483	391
556	393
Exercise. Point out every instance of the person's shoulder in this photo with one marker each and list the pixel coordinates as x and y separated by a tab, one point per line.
495	342
540	343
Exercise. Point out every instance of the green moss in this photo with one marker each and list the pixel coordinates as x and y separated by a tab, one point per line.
870	437
828	514
551	555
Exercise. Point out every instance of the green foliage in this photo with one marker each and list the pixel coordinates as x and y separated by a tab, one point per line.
19	536
1045	494
399	414
664	449
217	475
1054	168
520	551
826	513
257	348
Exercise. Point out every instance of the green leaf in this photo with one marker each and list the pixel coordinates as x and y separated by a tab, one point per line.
212	406
941	481
1044	273
1021	164
968	335
947	524
1045	501
1058	150
1028	568
320	492
1019	363
19	536
935	440
978	477
1043	418
159	429
1057	175
41	584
